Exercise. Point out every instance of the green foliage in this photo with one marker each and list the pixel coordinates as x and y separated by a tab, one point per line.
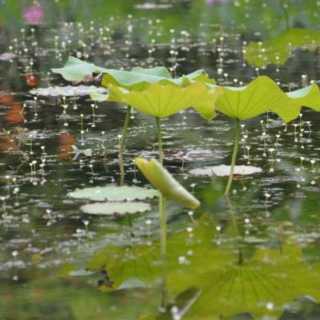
162	101
262	95
136	79
165	183
114	193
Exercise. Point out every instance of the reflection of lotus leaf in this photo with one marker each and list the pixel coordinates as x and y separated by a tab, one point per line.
143	261
261	286
278	50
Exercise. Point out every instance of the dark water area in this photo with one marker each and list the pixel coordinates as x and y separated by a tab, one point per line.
254	255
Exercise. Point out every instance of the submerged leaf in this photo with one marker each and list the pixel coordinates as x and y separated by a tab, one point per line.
114	193
116	208
165	183
163	101
262	95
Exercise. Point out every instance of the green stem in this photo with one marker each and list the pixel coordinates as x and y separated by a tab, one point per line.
159	141
163	225
122	142
163	244
234	155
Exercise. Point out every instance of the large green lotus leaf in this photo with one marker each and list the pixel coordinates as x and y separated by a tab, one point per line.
278	49
165	183
116	208
262	95
114	193
139	79
163	101
136	79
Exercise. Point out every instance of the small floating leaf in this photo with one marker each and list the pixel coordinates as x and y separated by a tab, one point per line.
68	91
224	171
116	208
114	193
165	182
262	95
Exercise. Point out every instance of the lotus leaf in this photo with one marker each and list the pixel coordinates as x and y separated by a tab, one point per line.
114	193
262	95
165	183
136	79
116	208
163	101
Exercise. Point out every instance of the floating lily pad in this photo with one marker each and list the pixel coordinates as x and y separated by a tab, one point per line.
224	171
116	208
114	193
68	91
7	56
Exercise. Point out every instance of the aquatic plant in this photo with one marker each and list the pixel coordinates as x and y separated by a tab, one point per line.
169	188
153	91
259	96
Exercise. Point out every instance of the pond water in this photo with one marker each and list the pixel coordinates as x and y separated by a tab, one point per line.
253	255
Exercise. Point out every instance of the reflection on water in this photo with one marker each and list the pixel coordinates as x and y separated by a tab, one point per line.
254	257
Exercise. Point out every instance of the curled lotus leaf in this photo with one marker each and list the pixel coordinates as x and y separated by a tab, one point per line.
136	79
114	193
165	183
262	95
163	101
116	208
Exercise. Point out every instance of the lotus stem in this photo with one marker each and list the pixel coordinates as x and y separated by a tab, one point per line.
234	155
163	225
122	142
159	141
163	244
